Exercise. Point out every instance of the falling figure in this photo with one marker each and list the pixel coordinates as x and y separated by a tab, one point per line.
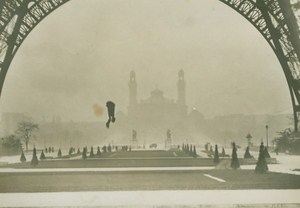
111	113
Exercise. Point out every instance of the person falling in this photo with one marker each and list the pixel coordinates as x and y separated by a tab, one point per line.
111	112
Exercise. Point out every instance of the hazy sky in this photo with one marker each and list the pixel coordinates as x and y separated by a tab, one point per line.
82	53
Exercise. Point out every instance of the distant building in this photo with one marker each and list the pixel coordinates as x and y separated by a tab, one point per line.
154	115
157	107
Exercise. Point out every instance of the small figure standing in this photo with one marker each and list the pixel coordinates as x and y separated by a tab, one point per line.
111	113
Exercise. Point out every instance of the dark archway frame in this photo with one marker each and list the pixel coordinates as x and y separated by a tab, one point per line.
274	19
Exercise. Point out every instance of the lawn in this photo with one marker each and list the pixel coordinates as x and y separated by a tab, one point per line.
118	162
143	158
146	154
148	180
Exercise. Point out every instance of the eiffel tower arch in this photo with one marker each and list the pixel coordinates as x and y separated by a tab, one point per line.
274	19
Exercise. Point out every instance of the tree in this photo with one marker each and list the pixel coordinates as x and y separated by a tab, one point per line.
25	131
261	165
59	154
235	164
42	156
78	151
11	144
34	160
216	156
23	158
247	154
285	141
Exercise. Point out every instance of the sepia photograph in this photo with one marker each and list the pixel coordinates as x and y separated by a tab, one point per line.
150	103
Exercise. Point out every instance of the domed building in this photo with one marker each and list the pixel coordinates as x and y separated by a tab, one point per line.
153	116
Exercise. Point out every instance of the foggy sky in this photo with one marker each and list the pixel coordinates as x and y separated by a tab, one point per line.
81	55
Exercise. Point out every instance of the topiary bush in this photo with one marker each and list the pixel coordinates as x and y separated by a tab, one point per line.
235	164
22	158
92	152
98	151
34	160
216	156
84	151
59	154
42	156
261	165
247	154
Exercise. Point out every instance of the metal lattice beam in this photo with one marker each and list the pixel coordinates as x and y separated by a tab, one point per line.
275	20
17	19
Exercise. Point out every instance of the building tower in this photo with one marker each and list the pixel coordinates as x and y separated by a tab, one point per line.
132	92
181	93
181	88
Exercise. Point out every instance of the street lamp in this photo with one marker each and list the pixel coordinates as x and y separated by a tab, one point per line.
267	135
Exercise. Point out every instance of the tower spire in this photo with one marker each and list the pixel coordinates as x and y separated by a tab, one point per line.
181	88
132	89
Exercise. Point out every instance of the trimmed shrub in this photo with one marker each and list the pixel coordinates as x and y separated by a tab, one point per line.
104	149
223	154
23	158
34	160
194	152
84	153
261	165
247	154
216	156
42	156
235	164
98	151
92	152
59	154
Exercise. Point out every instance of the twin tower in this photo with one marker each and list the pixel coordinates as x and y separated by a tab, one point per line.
157	95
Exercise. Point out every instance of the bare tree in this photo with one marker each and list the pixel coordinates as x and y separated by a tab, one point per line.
25	131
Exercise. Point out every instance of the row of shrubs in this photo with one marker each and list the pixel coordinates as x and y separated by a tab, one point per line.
261	165
189	149
72	151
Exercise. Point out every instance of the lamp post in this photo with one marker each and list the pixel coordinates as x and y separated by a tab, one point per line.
267	135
